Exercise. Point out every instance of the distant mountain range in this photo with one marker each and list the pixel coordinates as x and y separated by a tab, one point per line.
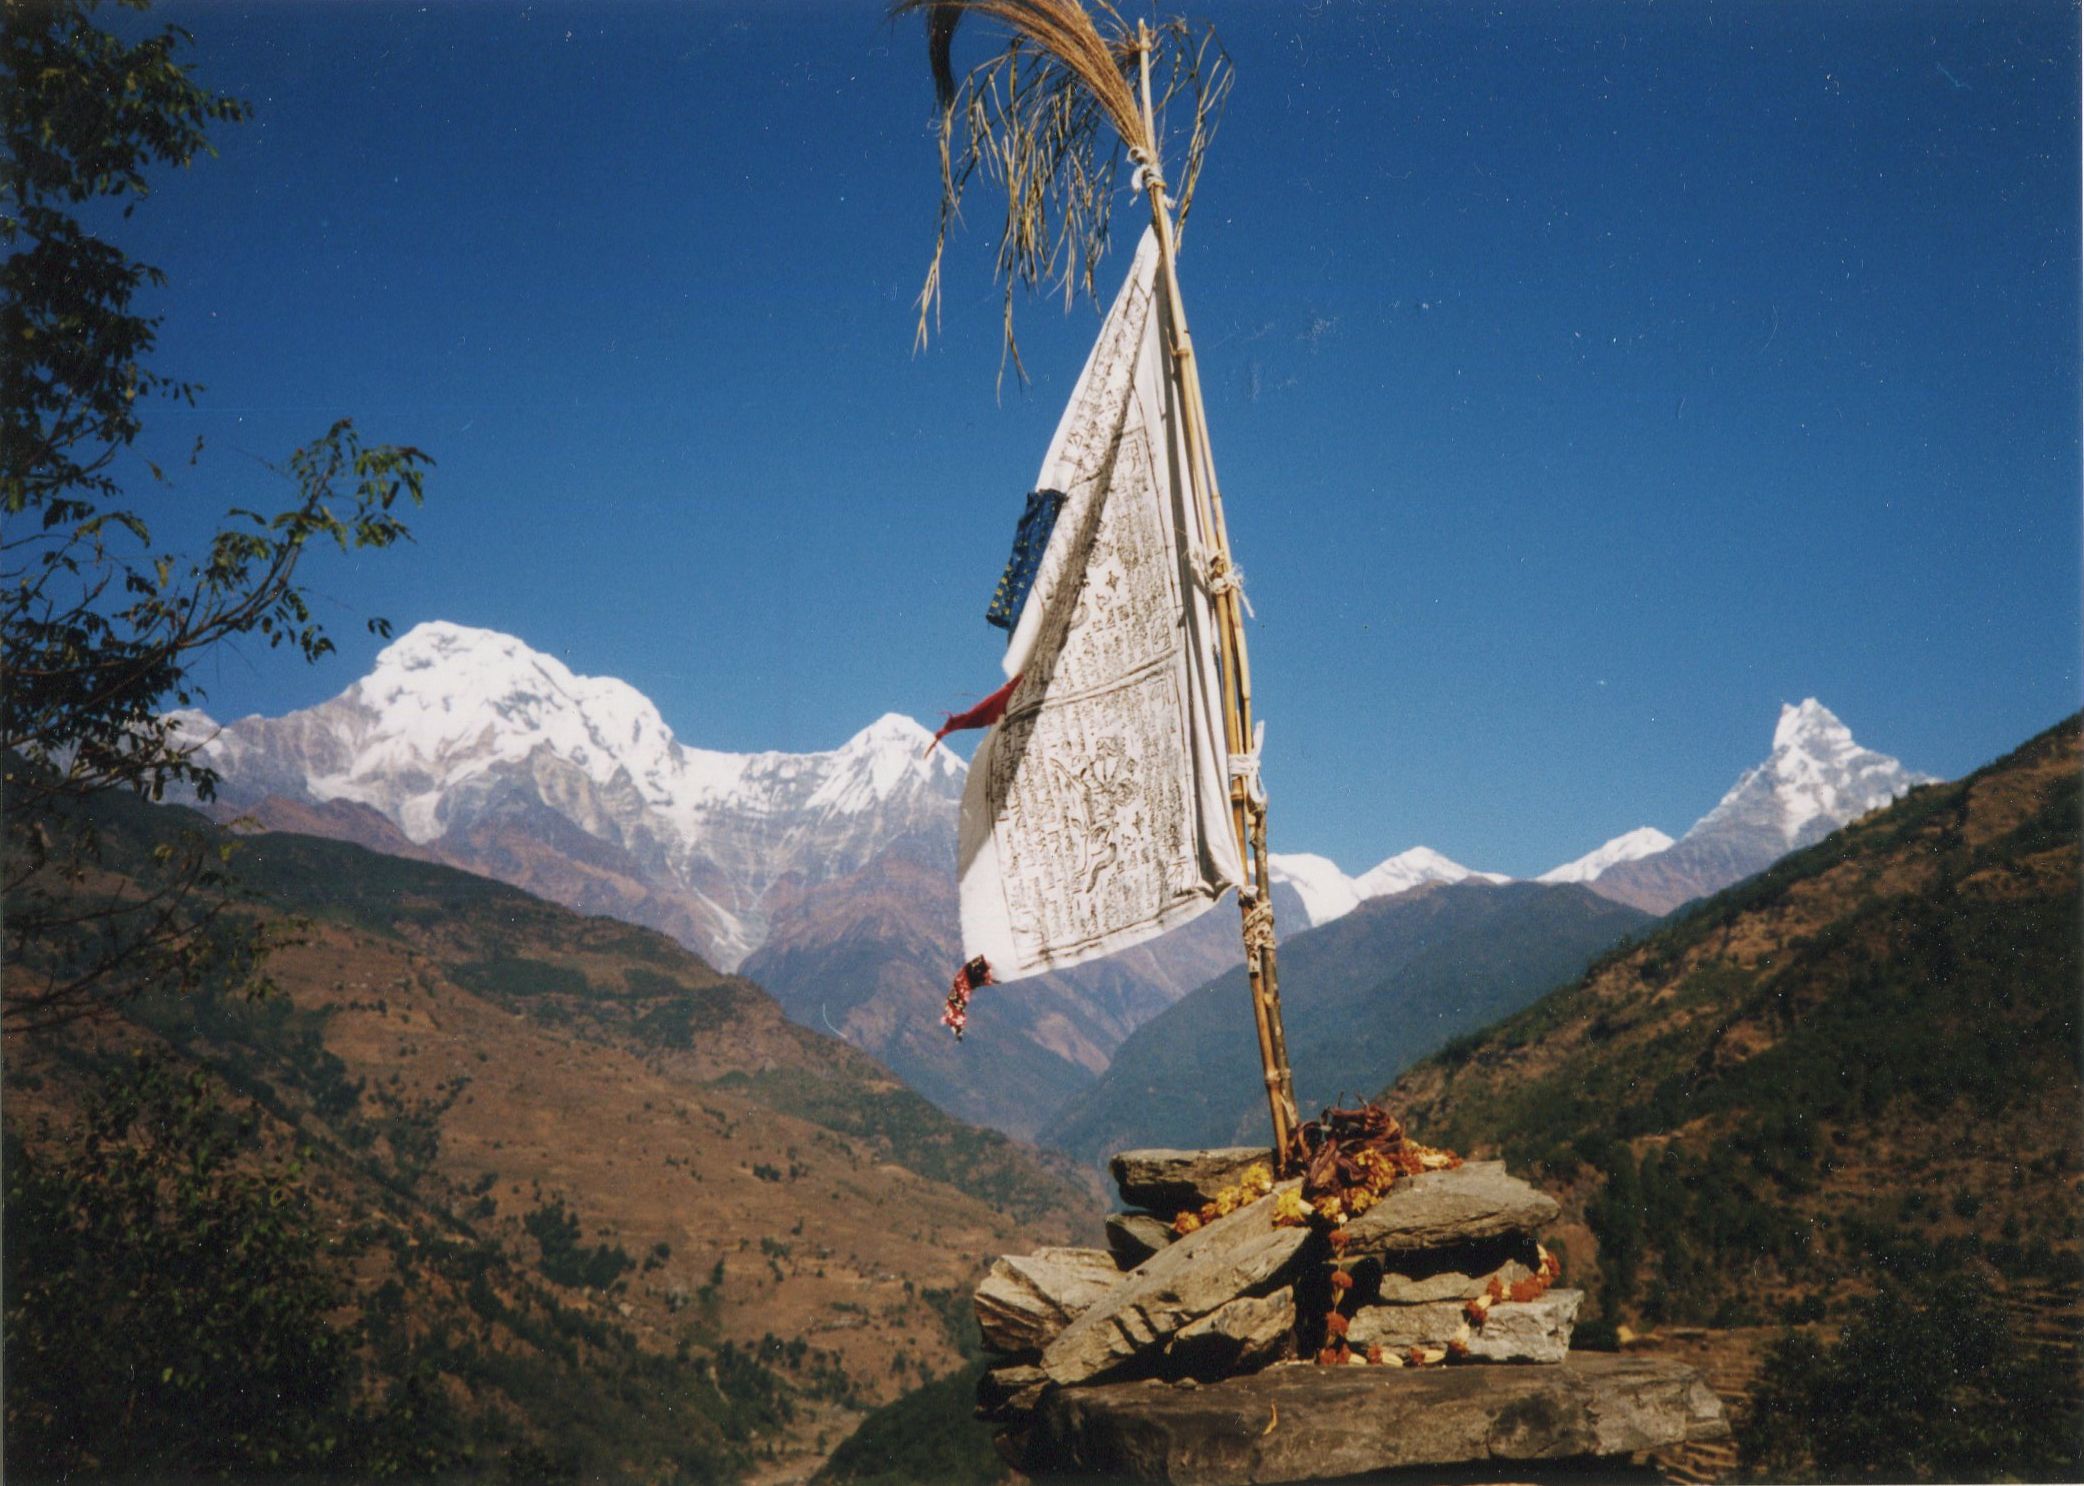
486	754
1815	779
1421	949
868	957
828	876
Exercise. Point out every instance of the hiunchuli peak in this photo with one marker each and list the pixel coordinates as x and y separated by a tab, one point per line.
483	749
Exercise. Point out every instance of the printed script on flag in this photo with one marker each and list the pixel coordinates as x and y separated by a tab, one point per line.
1097	810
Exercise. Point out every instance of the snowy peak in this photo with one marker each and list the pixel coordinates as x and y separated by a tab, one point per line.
1641	842
458	735
451	701
1812	728
1415	868
1326	892
1816	779
881	762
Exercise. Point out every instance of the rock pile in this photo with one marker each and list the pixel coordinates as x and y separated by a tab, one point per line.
1218	1273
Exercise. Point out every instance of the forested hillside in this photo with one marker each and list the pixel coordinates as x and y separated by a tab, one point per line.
1844	1092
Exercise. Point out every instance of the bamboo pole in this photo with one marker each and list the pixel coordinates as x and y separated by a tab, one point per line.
1248	810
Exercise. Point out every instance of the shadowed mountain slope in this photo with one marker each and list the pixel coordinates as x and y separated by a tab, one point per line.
1370	991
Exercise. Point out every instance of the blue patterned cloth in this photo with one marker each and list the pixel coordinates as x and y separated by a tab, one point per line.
1030	541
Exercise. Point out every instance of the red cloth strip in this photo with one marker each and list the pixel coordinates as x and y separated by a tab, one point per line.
983	715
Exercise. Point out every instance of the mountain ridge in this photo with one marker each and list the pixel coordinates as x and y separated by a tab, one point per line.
459	730
1692	1100
467	747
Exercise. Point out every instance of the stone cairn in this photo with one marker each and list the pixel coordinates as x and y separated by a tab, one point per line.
1235	1331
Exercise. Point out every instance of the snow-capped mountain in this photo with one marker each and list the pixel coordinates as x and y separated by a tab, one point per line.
500	758
1414	868
1328	893
1641	842
1815	780
1325	891
469	747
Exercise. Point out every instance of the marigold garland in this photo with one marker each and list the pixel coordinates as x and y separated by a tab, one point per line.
1354	1157
1548	1269
1256	1181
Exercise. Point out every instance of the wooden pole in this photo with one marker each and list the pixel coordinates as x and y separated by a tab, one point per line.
1247	805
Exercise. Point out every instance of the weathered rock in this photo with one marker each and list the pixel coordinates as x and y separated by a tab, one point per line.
1026	1299
1243	1336
1439	1208
1236	1255
1134	1237
1448	1284
1524	1331
1318	1423
1167	1181
1008	1395
1528	1331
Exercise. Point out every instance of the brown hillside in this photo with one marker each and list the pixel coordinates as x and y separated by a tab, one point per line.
464	1059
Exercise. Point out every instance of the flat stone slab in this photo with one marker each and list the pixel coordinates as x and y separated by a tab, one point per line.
1134	1237
1535	1330
1235	1255
1439	1209
1164	1181
1242	1336
1448	1284
1026	1299
1307	1423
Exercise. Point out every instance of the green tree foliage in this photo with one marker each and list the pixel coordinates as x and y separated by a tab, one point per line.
1931	1387
162	1273
100	625
927	1435
568	1261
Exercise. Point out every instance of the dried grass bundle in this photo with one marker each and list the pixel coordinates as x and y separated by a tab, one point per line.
1048	118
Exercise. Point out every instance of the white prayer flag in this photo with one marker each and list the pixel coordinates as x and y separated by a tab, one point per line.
1097	812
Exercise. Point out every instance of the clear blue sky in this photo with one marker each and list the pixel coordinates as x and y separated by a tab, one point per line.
1586	379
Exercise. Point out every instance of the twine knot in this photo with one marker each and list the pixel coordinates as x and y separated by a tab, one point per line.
1148	177
1223	577
1259	926
1244	767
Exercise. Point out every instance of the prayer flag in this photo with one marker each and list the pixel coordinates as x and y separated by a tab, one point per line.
1030	541
1097	810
